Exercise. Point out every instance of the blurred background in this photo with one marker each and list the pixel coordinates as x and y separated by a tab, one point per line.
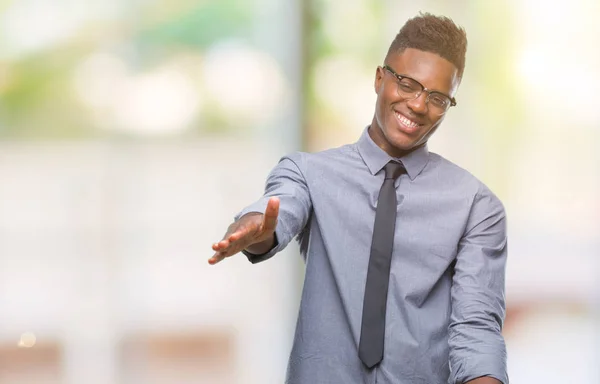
131	132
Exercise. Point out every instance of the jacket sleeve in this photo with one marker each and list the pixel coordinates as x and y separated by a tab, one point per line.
477	347
287	182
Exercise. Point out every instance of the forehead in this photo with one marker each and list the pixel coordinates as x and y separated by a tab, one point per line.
430	69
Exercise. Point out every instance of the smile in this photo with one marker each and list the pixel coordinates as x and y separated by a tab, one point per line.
407	123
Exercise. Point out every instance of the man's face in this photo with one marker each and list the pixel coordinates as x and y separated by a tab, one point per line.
401	124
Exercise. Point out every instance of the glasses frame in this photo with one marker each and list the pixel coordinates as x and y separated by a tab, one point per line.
423	88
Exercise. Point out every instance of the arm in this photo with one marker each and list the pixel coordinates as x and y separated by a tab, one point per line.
477	348
286	205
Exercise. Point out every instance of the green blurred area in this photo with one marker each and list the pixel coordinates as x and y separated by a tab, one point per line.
37	98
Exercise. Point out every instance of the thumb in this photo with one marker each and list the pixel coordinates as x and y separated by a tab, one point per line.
271	214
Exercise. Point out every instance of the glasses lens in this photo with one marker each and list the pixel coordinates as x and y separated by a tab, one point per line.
438	102
409	87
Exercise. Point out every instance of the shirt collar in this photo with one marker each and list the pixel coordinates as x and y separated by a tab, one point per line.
376	158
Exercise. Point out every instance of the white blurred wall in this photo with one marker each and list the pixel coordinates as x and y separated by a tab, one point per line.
102	243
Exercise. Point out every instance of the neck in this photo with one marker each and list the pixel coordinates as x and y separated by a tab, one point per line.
379	139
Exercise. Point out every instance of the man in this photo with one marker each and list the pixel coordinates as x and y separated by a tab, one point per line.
405	251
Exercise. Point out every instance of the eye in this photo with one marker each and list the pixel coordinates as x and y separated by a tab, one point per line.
439	100
407	86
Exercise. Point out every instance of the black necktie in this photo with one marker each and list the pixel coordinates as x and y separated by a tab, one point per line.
372	330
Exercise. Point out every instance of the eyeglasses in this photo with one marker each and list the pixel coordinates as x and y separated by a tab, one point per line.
410	89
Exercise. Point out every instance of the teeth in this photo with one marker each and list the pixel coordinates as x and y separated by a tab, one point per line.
407	122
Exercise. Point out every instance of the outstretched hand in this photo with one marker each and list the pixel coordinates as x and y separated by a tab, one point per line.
254	232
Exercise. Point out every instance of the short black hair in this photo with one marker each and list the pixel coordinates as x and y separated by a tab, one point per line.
435	34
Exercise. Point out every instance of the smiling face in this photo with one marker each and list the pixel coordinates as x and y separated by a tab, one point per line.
400	125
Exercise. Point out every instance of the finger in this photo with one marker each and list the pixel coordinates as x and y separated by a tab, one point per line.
231	250
221	245
271	214
217	257
228	239
241	233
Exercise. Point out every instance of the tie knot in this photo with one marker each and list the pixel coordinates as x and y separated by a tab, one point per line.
393	170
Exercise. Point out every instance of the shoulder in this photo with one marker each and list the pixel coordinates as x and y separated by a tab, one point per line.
453	177
322	159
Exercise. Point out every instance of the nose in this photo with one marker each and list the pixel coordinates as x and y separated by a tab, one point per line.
419	103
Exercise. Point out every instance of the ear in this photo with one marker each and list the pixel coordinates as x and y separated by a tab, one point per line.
379	72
